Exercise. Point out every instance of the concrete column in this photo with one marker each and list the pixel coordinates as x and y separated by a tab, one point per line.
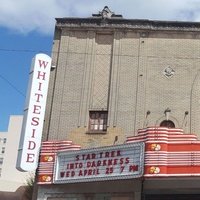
114	84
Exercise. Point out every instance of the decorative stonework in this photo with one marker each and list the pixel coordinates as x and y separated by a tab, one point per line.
121	23
101	72
168	72
106	13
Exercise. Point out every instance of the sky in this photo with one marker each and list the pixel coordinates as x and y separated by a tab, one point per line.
27	28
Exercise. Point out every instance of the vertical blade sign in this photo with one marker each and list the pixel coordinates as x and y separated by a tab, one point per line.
34	111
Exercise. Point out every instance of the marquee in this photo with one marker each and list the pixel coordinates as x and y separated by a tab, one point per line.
106	163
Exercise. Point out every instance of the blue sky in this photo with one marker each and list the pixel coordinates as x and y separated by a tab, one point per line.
27	27
16	52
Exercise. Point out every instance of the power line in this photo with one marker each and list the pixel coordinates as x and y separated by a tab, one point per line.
9	83
86	53
23	50
70	52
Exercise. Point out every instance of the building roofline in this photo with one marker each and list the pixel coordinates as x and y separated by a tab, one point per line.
94	22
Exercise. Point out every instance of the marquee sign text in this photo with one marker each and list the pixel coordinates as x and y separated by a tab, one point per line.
116	162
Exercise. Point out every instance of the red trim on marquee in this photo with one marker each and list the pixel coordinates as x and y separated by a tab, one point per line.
47	160
168	152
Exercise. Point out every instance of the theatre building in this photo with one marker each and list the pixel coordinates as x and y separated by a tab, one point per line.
122	119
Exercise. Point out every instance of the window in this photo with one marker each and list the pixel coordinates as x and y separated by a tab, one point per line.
3	140
98	120
1	161
167	123
3	150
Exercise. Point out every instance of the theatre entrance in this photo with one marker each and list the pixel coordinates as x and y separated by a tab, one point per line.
172	197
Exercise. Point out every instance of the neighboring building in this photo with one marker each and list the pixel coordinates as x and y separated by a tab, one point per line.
114	76
10	178
2	149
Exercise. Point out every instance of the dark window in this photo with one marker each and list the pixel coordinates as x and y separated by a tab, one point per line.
98	120
167	123
172	197
3	150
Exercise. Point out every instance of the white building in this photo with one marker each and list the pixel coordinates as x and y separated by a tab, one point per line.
2	149
10	177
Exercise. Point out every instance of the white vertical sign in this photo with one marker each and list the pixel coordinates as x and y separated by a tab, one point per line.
32	126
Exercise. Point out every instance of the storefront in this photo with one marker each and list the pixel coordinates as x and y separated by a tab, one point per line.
158	163
109	77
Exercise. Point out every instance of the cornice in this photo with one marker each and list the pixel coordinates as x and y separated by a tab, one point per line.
96	23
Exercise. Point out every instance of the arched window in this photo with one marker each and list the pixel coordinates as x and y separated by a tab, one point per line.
167	123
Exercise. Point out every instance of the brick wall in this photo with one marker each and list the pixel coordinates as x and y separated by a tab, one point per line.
139	81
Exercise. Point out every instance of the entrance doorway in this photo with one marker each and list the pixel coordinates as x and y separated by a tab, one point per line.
173	197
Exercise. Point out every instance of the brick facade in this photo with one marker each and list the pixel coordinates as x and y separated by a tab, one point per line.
140	72
134	69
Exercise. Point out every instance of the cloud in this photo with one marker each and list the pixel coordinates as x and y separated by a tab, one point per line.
39	15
